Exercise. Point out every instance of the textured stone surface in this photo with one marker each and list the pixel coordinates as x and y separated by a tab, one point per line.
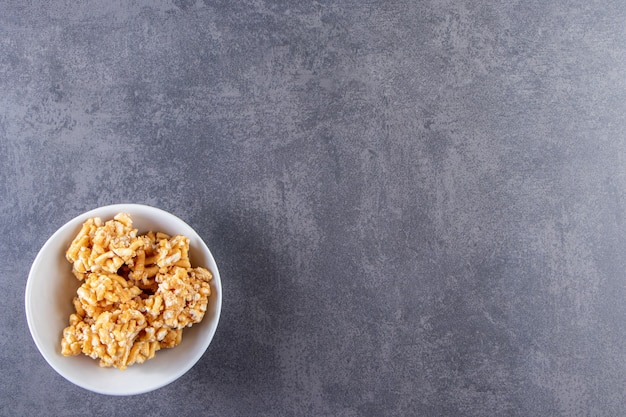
418	208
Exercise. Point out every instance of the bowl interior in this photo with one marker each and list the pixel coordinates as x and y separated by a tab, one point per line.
51	287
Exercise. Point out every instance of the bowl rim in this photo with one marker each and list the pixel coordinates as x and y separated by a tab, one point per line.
75	222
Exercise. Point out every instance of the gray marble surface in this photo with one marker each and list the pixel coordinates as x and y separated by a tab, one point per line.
417	208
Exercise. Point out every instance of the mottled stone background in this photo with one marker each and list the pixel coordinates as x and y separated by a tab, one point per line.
417	207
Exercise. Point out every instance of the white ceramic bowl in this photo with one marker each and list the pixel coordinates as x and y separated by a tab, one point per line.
51	287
